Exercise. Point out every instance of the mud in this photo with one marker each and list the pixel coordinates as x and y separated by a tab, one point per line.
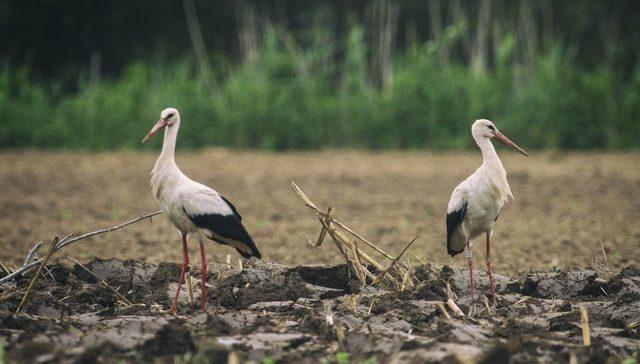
566	204
311	313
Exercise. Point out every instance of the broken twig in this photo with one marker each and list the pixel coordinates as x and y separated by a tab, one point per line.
68	240
37	275
32	251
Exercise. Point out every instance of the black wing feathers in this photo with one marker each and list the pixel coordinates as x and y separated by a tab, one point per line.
228	228
454	219
233	208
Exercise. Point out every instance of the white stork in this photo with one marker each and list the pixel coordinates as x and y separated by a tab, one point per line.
193	208
476	202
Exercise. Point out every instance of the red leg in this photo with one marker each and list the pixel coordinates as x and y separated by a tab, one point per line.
185	264
470	263
488	259
203	295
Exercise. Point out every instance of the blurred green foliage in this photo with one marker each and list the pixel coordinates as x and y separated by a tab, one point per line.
290	98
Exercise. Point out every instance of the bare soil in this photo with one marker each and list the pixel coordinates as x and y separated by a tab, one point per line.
565	204
310	313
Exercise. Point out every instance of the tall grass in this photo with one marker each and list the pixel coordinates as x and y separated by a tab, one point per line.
289	97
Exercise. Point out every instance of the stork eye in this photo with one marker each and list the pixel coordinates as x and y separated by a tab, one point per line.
493	129
170	116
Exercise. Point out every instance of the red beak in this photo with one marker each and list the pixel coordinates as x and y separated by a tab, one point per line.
159	125
506	141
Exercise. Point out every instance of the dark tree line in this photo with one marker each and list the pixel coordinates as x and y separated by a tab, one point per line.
60	39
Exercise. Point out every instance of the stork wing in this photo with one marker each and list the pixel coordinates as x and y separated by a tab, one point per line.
455	215
213	213
235	211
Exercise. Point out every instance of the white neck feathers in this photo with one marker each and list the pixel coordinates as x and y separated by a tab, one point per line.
165	170
493	168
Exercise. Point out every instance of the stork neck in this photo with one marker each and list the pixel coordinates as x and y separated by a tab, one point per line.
489	155
169	143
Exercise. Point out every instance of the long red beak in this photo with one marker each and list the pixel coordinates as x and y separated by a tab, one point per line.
159	125
506	141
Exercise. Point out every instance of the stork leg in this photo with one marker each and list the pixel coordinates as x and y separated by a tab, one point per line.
488	259
185	265
470	264
203	295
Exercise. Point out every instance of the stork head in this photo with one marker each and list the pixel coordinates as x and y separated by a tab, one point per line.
484	128
168	117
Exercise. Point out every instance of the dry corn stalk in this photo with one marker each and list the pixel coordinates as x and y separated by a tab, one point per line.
396	274
452	304
444	311
584	323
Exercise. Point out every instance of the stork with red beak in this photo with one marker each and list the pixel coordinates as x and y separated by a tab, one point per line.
193	208
476	202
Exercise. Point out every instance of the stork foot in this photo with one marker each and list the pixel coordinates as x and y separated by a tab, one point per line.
174	312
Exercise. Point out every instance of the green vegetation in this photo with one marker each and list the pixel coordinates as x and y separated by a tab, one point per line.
289	97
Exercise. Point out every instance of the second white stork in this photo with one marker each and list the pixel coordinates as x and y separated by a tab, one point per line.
476	202
193	208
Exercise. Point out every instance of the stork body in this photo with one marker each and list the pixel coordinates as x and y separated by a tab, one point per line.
193	208
476	202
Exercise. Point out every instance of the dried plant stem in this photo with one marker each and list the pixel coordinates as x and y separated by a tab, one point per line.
573	358
104	283
190	286
407	278
452	304
370	244
346	241
353	264
34	280
444	310
313	206
604	253
326	226
358	266
327	222
4	268
33	251
486	304
584	323
107	230
68	240
32	254
395	260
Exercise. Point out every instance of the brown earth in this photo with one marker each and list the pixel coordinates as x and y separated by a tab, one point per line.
565	203
314	314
